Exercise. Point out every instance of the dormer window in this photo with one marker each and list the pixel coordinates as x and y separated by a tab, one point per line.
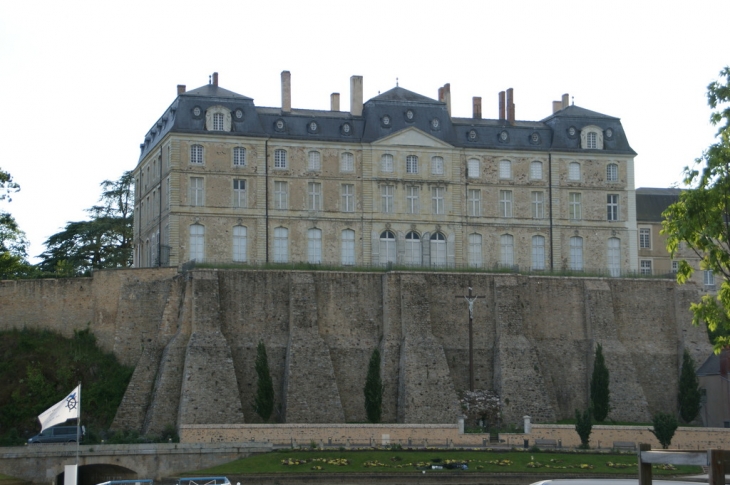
217	121
218	118
591	138
591	141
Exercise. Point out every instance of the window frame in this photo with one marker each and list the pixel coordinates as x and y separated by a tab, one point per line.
575	206
505	170
613	256
612	173
438	246
413	253
281	245
347	162
612	207
474	202
314	161
413	204
474	253
387	247
506	199
314	245
537	204
438	205
473	168
196	242
538	253
240	196
645	267
507	250
314	196
240	244
197	155
281	195
347	192
437	165
347	247
197	193
387	198
576	254
239	156
645	238
412	164
280	159
574	172
535	166
386	163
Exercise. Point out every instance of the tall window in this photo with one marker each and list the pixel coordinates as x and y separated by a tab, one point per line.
574	206
475	250
538	205
675	267
576	253
612	172
386	163
591	139
505	203
413	249
347	162
506	250
314	163
538	253
536	170
314	199
474	202
437	200
614	257
437	165
197	242
239	157
197	191
612	207
281	245
281	195
709	277
438	249
411	164
348	247
239	243
280	158
314	246
196	154
348	198
505	169
645	266
387	247
472	168
217	121
239	194
574	171
412	203
644	238
386	198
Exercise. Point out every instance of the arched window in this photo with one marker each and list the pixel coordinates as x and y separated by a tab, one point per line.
197	242
614	257
438	249
437	165
196	154
314	246
538	253
315	161
413	249
472	168
239	243
505	169
386	163
536	170
411	164
612	172
348	247
280	158
281	245
576	253
475	250
574	171
387	247
347	162
507	250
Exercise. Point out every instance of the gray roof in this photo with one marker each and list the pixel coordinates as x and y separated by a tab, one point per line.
651	202
401	109
711	366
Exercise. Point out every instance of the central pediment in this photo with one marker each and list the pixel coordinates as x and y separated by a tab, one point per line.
412	137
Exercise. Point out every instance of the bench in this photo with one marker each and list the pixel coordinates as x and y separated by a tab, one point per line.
624	445
546	443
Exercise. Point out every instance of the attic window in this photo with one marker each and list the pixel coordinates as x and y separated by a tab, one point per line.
218	118
591	138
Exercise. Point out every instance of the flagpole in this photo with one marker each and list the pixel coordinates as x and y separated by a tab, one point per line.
78	435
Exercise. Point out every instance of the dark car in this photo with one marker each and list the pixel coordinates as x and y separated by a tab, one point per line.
57	434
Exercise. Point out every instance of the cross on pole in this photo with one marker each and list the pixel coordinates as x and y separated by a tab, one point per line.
470	299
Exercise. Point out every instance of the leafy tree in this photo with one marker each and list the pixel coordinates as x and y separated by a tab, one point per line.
600	395
701	217
13	243
374	389
264	399
583	426
7	185
689	389
664	427
104	241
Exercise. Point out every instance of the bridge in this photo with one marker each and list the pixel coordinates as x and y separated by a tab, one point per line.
44	463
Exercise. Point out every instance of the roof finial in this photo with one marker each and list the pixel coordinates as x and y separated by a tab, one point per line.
396	82
573	100
210	79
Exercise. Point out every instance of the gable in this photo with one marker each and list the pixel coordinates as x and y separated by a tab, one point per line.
412	137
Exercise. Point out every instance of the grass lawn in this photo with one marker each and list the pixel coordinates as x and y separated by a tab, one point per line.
484	461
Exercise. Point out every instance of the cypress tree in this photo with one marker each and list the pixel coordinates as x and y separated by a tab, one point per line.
583	426
374	389
689	390
599	387
264	399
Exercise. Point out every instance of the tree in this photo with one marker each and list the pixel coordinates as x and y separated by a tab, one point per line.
13	243
689	389
701	217
7	185
104	241
583	426
264	399
664	427
374	389
600	394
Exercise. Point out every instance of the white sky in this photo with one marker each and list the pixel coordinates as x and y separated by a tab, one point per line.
82	82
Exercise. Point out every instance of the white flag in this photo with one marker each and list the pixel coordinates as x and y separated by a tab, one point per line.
67	408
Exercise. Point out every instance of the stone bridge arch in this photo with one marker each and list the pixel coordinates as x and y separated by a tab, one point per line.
92	474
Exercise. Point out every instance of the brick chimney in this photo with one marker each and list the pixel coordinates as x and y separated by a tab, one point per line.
441	95
215	79
501	106
180	89
335	102
447	97
476	102
286	91
557	106
356	95
510	106
565	100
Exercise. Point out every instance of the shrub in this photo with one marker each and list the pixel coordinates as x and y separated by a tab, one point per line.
664	427
583	426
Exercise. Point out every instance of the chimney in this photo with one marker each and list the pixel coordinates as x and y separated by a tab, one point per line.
286	91
510	106
476	102
180	89
441	95
501	106
215	79
447	97
335	102
356	95
565	100
557	106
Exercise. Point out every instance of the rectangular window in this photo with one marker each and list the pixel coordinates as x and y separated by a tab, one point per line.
239	157
280	159
538	205
675	267
218	122
576	253
196	154
412	204
574	206
411	164
239	243
347	162
437	200
348	198
536	170
574	171
314	191
386	198
475	250
314	162
197	191
472	168
437	166
505	203
538	253
709	278
281	244
506	250
239	193
167	192
386	163
612	207
474	202
612	172
281	195
644	238
505	169
348	247
645	267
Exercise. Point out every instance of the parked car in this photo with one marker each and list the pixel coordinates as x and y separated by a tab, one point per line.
57	434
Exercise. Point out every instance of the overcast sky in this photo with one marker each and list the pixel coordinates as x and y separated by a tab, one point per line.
82	82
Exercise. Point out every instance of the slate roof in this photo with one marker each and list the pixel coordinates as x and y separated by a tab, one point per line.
651	202
711	366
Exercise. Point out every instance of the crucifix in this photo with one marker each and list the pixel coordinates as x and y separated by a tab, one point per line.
470	299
